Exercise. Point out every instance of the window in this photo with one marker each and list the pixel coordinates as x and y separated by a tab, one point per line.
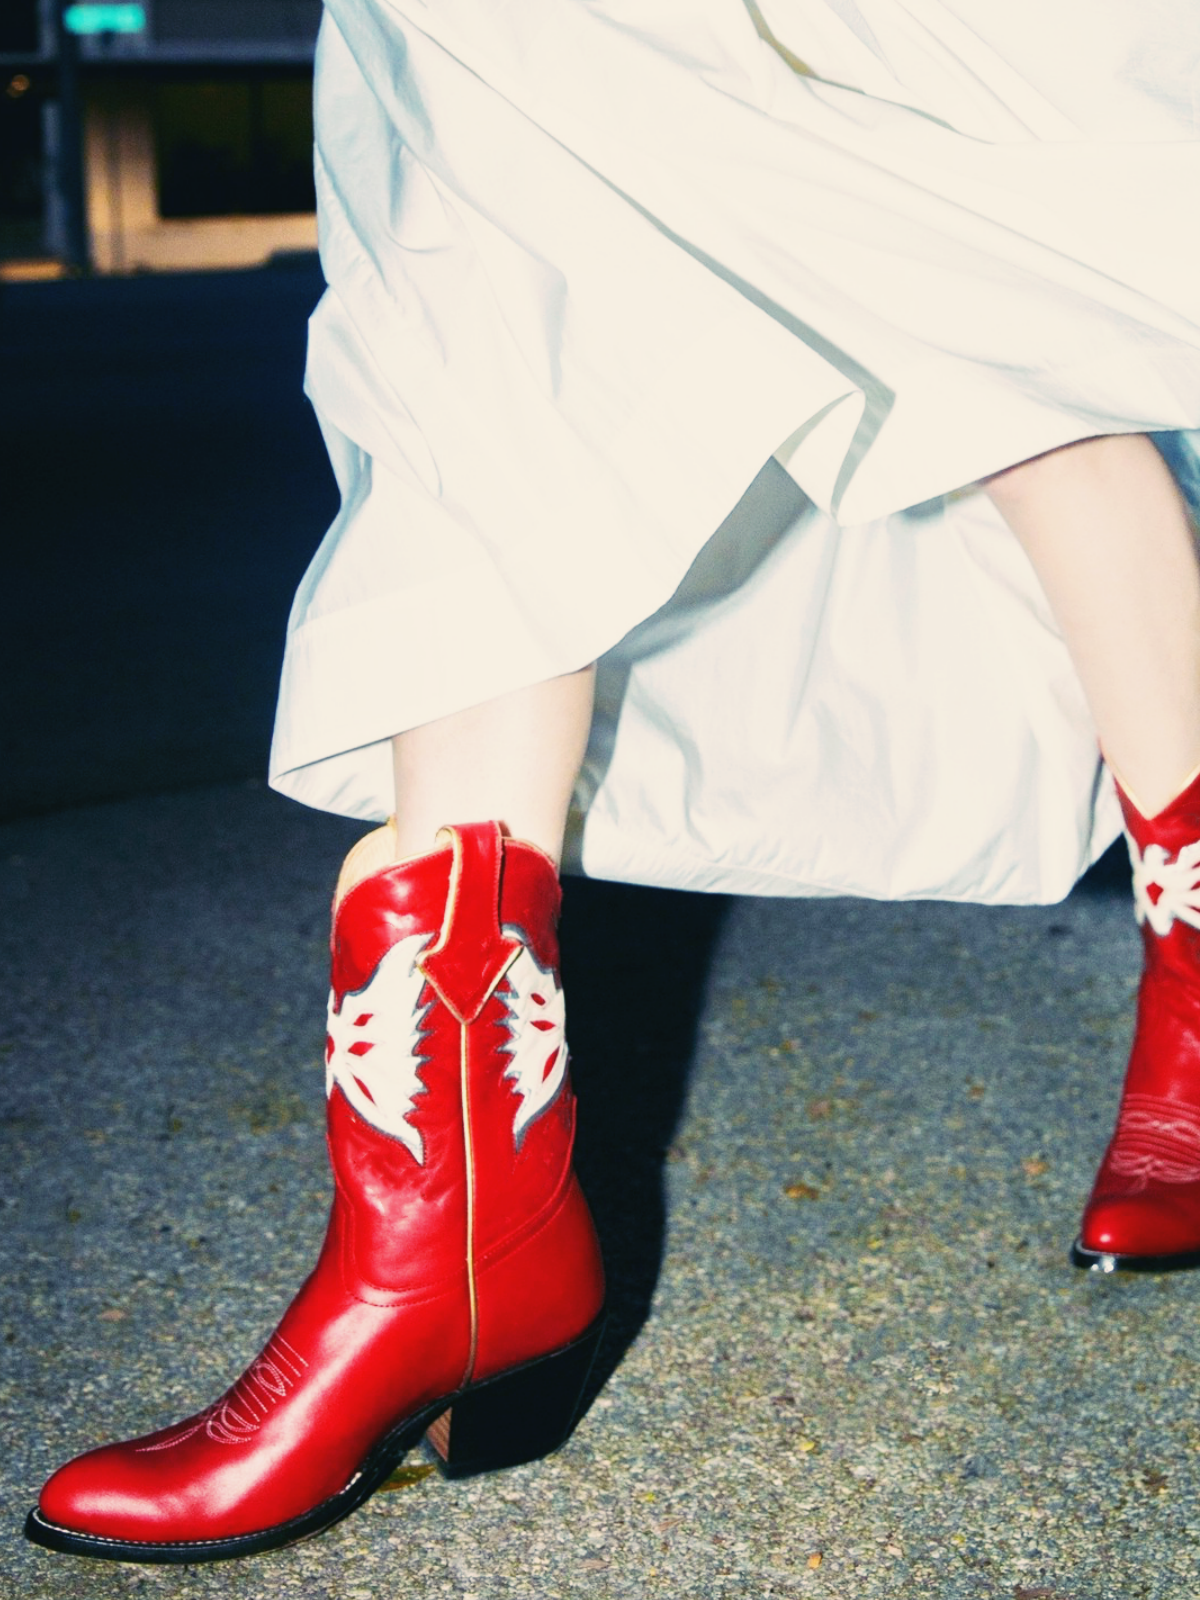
240	147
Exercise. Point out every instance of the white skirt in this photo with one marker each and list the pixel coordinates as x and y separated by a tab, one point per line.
592	263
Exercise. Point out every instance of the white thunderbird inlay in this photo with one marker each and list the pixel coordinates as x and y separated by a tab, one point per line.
373	1048
1177	883
538	1046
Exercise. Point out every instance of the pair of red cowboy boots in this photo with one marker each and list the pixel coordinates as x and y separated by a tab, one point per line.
459	1291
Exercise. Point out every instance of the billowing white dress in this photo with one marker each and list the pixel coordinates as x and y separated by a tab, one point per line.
608	276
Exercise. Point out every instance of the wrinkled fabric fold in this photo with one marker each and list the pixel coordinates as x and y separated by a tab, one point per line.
590	266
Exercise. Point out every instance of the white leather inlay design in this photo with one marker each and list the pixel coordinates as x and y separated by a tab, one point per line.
1177	884
373	1048
537	1044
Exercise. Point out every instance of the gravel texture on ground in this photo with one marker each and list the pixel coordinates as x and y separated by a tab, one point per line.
837	1151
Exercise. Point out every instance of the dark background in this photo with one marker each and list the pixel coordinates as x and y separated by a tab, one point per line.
162	486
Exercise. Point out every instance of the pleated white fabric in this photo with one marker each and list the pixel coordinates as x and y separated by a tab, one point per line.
592	263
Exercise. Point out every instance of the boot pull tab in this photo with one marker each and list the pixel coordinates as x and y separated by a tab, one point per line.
472	954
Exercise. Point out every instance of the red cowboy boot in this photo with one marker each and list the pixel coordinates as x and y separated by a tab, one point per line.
1144	1210
459	1290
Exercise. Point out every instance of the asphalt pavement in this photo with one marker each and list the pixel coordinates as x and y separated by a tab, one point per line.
836	1149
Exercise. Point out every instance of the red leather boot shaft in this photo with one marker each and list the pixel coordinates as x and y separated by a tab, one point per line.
512	1023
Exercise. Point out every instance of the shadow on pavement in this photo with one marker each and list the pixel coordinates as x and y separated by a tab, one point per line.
635	964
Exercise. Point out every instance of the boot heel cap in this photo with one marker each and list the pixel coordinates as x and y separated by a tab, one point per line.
517	1417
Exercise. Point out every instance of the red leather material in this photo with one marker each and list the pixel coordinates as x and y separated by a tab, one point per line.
392	1234
516	1176
554	1266
255	1458
411	898
1146	1197
438	1269
472	954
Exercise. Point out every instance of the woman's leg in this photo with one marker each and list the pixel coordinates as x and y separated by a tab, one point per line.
1112	542
1110	538
514	759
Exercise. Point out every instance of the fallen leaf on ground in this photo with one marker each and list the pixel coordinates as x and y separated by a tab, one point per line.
815	1559
113	1314
405	1478
802	1191
1033	1167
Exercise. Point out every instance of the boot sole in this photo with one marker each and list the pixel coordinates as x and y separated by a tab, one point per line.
1109	1261
518	1416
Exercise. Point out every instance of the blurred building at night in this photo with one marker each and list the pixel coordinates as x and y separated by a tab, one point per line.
167	135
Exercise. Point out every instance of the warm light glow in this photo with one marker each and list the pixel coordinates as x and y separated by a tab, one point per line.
17	86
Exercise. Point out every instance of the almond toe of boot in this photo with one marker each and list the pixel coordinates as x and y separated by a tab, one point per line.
117	1503
98	1498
